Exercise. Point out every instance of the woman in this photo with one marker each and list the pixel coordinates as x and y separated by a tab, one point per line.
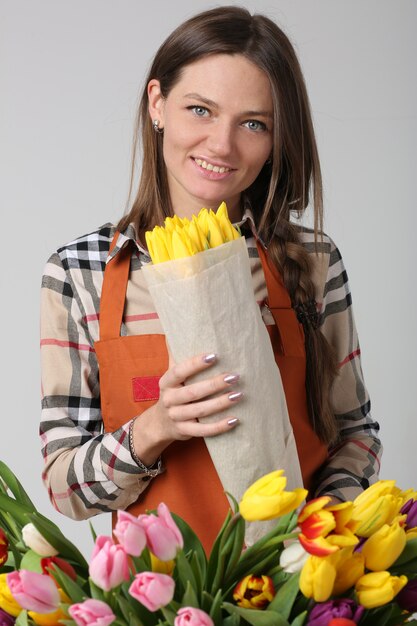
224	116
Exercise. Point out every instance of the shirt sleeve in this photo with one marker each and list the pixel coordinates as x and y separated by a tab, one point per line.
354	462
86	471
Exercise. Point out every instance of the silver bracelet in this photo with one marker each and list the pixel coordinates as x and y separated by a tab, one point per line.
151	471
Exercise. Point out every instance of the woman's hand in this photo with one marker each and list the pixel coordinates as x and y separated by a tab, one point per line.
175	416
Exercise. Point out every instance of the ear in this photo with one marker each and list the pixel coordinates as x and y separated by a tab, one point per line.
156	101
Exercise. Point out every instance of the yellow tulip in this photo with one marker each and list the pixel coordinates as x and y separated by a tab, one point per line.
317	578
350	566
215	235
179	247
229	232
202	219
149	243
384	546
378	588
197	235
7	601
376	506
160	245
189	241
222	211
267	499
162	567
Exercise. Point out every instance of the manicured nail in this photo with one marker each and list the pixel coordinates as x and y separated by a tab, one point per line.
210	358
235	396
231	378
233	421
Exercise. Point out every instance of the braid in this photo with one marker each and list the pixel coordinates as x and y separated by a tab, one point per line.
293	261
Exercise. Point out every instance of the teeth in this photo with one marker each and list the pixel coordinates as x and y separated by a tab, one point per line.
211	167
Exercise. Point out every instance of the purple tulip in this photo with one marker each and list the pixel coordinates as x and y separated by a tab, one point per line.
6	619
407	598
323	612
410	509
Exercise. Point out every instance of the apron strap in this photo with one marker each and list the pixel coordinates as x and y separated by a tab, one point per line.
112	302
279	303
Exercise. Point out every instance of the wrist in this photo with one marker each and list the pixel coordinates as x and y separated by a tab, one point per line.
146	444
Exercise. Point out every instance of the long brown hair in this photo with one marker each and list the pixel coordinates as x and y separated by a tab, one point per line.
282	188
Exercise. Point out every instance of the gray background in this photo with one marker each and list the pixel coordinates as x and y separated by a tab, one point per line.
70	74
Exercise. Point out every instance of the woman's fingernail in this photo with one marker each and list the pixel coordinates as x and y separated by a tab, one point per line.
210	358
235	396
233	421
231	378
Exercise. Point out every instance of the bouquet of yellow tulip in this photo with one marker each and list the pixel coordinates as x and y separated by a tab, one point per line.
349	564
181	238
201	284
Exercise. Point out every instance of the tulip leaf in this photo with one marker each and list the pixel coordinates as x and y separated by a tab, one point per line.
285	597
257	617
216	608
214	555
128	612
236	551
190	597
96	592
232	620
31	561
300	619
191	542
20	512
185	572
71	588
206	601
15	486
57	539
22	619
199	575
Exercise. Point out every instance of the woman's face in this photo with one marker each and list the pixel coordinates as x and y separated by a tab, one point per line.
218	122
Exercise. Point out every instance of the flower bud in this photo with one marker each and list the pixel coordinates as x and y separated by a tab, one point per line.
152	590
384	547
91	613
254	592
378	588
36	542
293	558
267	499
189	616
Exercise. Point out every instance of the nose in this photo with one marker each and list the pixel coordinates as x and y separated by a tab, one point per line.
220	140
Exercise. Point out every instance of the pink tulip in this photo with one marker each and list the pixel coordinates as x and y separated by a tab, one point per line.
91	613
162	534
33	591
130	533
193	617
109	564
152	590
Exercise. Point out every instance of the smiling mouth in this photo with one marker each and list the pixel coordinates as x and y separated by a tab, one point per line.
212	168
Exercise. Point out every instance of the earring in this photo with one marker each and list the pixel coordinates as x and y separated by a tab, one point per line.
269	160
155	126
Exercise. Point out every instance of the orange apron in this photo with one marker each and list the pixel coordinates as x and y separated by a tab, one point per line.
190	485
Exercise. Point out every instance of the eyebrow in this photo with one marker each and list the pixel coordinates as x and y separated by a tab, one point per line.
211	103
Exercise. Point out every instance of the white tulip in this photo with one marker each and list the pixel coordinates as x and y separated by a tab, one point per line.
36	542
293	558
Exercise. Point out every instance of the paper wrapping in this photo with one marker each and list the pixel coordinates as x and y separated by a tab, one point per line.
206	304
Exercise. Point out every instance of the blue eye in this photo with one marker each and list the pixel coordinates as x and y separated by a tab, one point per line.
255	125
198	110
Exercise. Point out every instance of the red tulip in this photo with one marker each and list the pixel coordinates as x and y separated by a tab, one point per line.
4	547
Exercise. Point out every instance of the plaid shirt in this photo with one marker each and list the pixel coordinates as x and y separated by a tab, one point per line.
87	471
